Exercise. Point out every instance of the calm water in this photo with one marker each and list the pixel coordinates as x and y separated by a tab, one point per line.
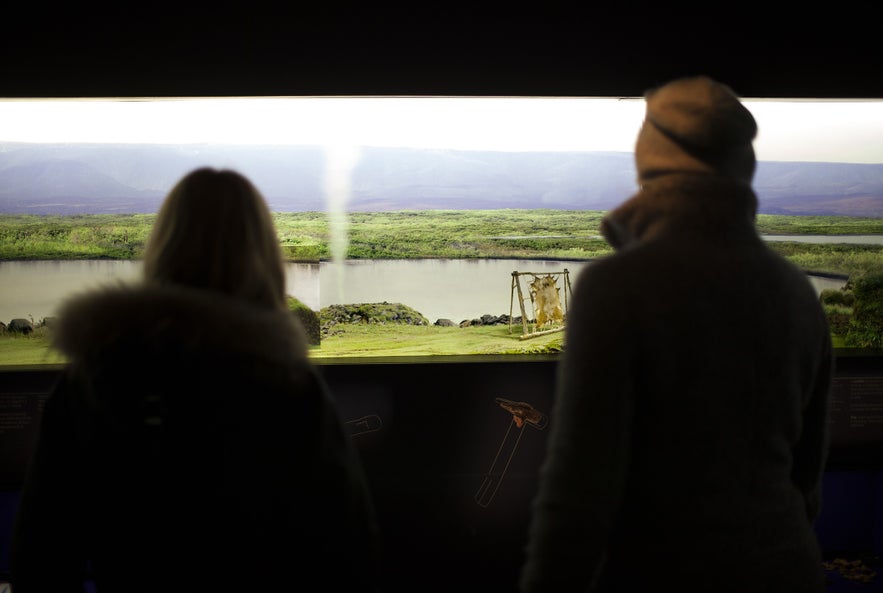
437	288
454	289
856	239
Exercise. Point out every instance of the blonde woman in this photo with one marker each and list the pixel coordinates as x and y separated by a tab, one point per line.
189	444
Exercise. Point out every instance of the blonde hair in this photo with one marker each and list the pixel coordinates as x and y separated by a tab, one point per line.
214	231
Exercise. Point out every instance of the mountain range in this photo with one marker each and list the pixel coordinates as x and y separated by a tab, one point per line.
80	178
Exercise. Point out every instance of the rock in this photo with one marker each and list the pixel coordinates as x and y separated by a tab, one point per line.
21	326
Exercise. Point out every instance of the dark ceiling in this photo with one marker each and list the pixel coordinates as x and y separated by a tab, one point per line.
143	51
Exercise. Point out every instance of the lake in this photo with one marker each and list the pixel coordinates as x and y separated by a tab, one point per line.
437	288
454	289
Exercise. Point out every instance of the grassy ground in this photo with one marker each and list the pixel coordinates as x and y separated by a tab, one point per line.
349	341
30	350
448	234
362	340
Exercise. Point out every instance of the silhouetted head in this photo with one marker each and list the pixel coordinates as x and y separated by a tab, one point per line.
696	124
214	231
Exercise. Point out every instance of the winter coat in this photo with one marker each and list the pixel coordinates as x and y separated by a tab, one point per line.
689	432
190	446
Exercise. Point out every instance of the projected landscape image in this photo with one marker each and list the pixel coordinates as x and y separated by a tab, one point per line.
413	227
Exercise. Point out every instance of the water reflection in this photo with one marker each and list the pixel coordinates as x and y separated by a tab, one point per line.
437	288
34	289
454	289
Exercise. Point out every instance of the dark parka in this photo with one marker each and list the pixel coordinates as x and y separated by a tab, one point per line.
689	432
190	446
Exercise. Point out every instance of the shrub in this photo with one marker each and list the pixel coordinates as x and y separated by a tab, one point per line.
395	313
308	318
866	328
837	296
839	318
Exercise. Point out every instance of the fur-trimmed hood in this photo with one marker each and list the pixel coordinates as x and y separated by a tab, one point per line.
682	202
152	321
186	419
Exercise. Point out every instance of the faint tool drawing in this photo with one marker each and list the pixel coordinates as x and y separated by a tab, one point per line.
522	413
365	424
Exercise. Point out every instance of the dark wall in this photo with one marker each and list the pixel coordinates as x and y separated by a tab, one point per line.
453	474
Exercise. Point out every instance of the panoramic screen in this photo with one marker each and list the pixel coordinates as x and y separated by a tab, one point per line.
412	226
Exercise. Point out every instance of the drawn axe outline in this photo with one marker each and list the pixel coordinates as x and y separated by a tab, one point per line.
522	414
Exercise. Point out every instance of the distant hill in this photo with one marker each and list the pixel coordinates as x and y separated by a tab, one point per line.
134	178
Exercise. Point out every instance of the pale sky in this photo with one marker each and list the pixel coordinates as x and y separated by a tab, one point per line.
807	130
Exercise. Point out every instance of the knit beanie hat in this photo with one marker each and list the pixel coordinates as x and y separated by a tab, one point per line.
696	124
